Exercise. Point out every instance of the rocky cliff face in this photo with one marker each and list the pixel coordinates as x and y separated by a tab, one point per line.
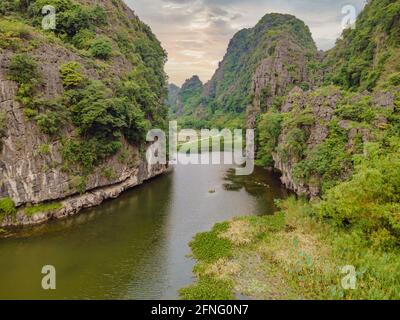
322	124
320	110
33	168
173	99
323	129
73	204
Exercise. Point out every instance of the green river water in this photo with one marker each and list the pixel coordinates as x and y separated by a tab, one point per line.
134	247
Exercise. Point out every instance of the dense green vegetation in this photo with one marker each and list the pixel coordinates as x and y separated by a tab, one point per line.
208	247
370	200
101	48
292	255
268	129
352	166
71	74
122	105
366	55
190	94
7	208
340	143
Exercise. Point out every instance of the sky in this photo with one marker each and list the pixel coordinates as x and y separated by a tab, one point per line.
196	33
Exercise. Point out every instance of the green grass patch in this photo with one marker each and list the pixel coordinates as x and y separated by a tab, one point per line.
209	247
7	208
291	255
208	288
42	208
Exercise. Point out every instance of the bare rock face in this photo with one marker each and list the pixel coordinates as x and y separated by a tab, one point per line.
74	204
26	175
252	112
385	100
295	96
276	73
322	108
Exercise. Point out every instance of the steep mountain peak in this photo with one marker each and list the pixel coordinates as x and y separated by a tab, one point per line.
193	82
186	99
274	54
173	86
286	23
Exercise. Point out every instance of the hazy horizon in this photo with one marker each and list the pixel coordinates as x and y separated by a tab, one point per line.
196	33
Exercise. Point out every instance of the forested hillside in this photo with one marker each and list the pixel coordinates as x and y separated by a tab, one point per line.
76	101
336	143
367	57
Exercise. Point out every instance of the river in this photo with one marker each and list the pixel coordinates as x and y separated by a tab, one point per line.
136	246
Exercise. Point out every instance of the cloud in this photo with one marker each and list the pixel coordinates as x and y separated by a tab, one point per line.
196	33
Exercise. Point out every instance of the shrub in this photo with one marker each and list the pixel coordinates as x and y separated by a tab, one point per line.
329	160
71	17
101	48
83	38
87	153
25	94
102	117
294	144
98	15
7	208
23	69
125	45
269	129
371	199
44	149
360	110
8	6
12	34
49	122
48	114
95	111
394	79
71	74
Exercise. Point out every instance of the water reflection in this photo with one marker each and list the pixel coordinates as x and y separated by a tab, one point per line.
134	247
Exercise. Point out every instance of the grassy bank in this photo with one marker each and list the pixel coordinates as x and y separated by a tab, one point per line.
291	255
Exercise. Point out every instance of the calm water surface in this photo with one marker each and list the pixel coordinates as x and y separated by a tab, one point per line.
134	247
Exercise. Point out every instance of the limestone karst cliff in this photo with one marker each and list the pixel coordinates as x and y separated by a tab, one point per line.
75	103
313	136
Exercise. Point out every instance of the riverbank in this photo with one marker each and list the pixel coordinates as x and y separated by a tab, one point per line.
136	246
34	215
290	255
